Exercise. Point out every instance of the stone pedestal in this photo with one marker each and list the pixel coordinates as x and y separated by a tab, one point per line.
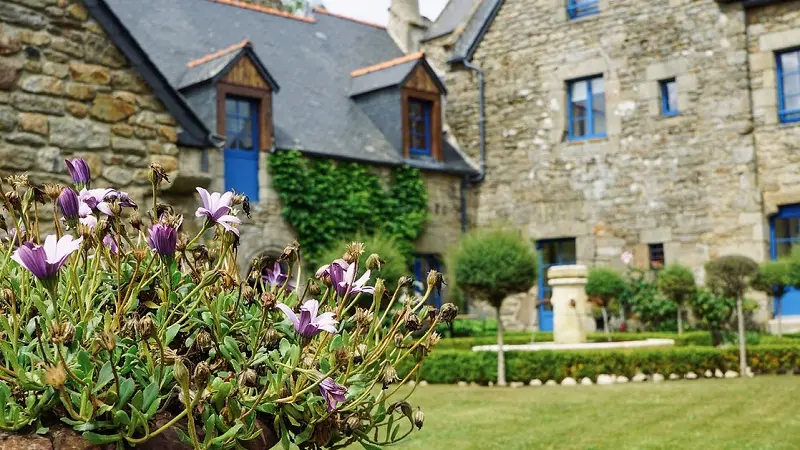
569	302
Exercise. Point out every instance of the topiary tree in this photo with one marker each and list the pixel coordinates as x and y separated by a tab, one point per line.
729	276
492	265
713	312
774	277
603	286
676	282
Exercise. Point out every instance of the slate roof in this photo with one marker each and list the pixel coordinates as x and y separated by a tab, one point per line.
215	65
450	18
474	30
389	74
311	59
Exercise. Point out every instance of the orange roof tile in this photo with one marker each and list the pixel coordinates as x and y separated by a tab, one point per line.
263	9
224	51
387	64
352	19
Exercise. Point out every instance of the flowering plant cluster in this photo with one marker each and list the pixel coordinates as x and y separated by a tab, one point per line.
127	331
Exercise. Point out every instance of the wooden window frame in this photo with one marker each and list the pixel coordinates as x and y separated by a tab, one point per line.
264	99
436	121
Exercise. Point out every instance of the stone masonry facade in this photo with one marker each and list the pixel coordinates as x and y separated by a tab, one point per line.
702	183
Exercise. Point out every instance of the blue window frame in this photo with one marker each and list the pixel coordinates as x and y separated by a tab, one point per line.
784	235
419	127
669	97
241	146
582	8
788	63
657	259
551	252
422	265
587	108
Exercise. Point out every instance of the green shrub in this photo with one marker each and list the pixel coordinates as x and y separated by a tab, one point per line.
713	312
450	366
676	282
603	286
491	265
654	309
730	275
689	338
774	277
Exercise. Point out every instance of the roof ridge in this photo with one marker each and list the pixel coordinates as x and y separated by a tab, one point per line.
264	9
387	64
317	9
217	54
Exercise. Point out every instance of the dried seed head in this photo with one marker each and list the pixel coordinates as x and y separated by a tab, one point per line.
290	252
342	358
170	356
183	240
268	301
404	281
86	232
202	373
435	280
108	340
433	339
323	432
412	322
364	317
374	262
248	378
248	293
241	199
354	251
204	340
3	224
398	340
13	200
353	423
62	333
272	336
448	313
200	253
181	373
18	181
136	221
157	174
8	296
147	328
52	190
361	353
55	376
314	289
389	376
419	419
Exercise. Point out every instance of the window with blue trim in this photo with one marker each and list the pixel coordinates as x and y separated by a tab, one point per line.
657	259
241	146
587	108
789	85
669	97
784	231
582	8
420	127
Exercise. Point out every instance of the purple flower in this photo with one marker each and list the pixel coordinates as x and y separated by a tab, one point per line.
333	393
16	236
310	324
92	199
79	171
123	198
216	208
274	277
343	275
163	239
90	221
69	204
44	261
110	242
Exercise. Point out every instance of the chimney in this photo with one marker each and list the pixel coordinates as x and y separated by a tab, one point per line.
405	24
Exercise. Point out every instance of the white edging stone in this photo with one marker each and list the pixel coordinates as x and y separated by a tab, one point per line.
605	379
622	379
586	381
569	381
535	382
731	374
639	377
691	376
551	383
658	378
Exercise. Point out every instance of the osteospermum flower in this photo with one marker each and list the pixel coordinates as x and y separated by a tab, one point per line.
333	392
216	209
44	261
163	239
276	277
309	324
69	203
79	171
92	199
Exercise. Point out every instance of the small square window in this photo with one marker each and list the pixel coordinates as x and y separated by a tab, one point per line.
587	108
788	64
656	256
669	97
582	8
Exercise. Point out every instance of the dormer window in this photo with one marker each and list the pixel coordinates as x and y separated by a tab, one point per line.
420	127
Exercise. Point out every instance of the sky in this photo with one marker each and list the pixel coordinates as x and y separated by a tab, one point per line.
377	11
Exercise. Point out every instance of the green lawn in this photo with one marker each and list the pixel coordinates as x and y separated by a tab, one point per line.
758	413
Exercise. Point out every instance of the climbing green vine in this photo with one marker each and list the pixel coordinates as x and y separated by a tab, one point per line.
326	201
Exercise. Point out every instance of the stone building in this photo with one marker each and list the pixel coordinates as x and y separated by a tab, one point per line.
662	128
123	83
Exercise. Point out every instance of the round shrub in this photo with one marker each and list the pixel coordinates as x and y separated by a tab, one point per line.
730	275
774	277
605	285
676	282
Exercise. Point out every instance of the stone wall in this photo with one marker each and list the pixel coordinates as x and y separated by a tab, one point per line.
66	91
688	181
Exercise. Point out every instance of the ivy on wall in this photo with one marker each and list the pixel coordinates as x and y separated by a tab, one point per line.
327	201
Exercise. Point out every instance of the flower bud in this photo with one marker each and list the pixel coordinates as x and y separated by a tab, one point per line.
146	327
364	317
374	262
55	376
202	373
108	341
248	378
204	340
314	289
272	336
419	419
181	373
380	290
412	322
136	221
435	280
268	301
352	424
290	251
448	313
248	294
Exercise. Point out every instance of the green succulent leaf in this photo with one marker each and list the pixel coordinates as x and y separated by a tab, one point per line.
101	439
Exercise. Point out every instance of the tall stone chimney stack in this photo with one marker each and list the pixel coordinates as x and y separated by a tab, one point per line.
405	24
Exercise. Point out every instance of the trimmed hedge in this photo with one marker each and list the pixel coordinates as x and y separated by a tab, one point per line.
698	338
450	366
